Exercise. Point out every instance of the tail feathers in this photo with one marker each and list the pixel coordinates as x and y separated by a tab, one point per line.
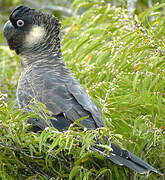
133	162
125	157
121	161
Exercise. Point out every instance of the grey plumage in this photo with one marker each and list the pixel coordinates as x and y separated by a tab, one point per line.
45	78
60	92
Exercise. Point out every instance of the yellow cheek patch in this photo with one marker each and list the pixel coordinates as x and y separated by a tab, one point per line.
35	35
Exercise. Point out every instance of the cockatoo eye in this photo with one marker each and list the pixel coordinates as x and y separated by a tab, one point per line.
20	23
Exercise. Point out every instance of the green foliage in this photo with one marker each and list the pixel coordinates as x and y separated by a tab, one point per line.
121	64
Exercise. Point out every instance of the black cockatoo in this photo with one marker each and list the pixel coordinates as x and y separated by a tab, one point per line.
35	37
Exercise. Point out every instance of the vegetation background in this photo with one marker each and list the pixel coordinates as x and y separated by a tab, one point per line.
116	49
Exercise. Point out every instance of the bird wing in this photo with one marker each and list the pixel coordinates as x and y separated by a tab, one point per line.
64	97
81	96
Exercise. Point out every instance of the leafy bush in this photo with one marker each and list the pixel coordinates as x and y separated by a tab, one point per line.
121	64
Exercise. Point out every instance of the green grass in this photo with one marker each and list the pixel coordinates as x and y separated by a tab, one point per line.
120	61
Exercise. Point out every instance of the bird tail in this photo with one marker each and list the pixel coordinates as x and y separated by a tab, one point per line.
125	157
